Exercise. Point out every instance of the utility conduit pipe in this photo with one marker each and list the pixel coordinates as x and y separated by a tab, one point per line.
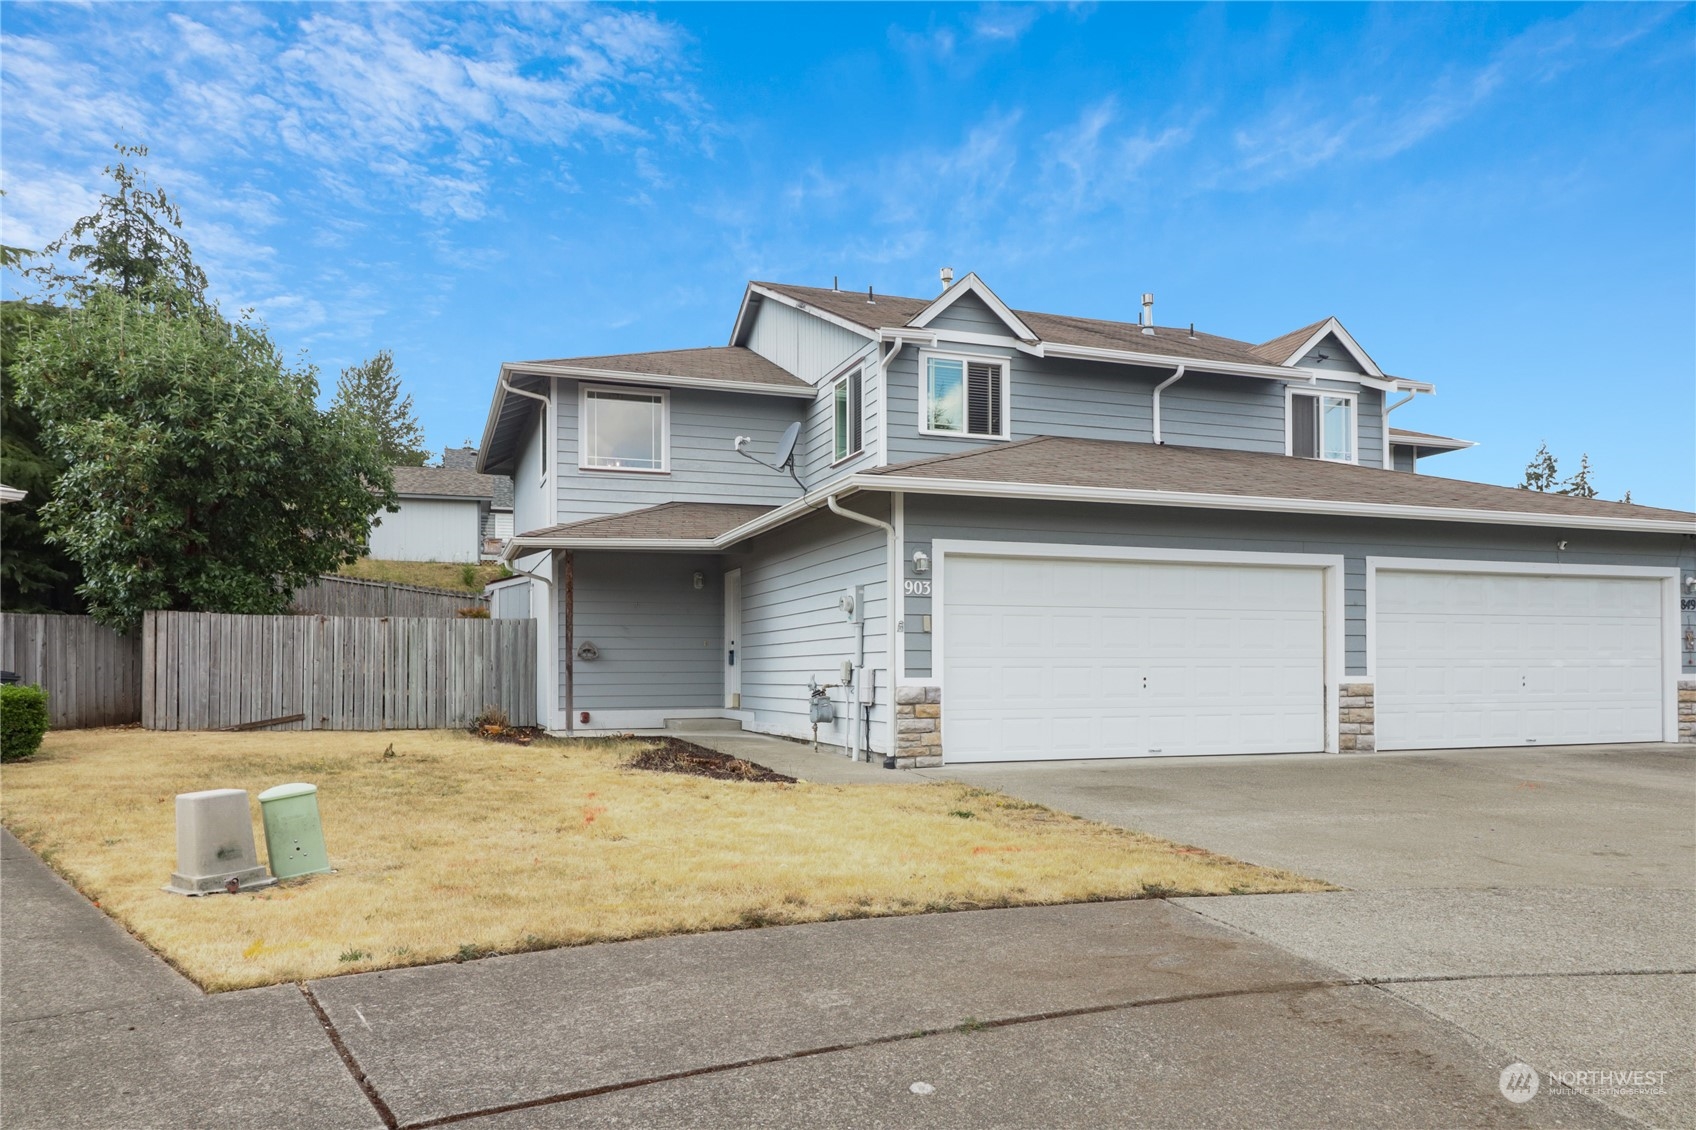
1158	389
860	620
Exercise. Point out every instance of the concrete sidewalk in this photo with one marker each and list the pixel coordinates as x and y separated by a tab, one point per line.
1132	1014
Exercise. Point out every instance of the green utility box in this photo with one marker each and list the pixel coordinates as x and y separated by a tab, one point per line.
294	836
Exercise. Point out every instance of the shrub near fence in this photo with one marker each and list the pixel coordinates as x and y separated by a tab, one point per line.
350	596
91	674
206	671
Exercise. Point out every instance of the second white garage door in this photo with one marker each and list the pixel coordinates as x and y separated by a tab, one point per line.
1494	659
1050	659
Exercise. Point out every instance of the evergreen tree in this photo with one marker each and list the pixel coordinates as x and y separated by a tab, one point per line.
1540	473
1578	486
371	392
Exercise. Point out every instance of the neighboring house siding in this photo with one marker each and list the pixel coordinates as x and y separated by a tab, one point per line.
429	529
660	638
511	601
792	629
704	463
929	518
797	341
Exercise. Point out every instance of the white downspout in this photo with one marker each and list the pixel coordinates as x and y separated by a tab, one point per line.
548	706
1388	408
888	604
1158	389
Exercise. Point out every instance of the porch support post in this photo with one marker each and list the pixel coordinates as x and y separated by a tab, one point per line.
570	644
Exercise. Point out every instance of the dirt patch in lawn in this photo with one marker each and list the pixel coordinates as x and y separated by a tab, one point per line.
447	847
673	755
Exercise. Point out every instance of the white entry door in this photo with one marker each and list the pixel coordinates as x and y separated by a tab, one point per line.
1496	659
1052	659
733	639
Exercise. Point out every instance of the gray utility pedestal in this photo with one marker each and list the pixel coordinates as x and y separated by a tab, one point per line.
215	844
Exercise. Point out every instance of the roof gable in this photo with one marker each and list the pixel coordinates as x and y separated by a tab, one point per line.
1292	348
973	287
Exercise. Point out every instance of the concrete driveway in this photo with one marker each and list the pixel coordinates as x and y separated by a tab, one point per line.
1542	900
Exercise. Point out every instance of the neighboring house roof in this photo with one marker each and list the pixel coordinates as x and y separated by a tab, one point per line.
726	364
687	521
1202	471
442	482
889	310
1401	437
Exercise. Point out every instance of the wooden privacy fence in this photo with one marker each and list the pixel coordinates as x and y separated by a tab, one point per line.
349	596
207	671
91	674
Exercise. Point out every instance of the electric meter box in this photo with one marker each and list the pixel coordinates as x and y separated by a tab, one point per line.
294	836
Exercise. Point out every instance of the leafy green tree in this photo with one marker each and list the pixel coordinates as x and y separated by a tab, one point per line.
200	473
35	575
371	392
1541	473
1578	486
131	242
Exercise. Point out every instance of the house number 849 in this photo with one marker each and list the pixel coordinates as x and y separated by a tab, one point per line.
916	588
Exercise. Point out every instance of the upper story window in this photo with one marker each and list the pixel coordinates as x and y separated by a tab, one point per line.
624	430
845	416
1322	426
964	397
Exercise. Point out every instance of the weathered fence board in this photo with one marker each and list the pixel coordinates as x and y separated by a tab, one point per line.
209	671
349	596
91	674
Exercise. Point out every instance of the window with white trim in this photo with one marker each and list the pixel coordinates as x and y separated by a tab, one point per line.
964	397
1322	426
624	430
845	416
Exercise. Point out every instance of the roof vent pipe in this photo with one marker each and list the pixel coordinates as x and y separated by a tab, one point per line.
871	300
1147	313
947	277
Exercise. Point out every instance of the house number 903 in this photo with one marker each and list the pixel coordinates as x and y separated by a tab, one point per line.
916	588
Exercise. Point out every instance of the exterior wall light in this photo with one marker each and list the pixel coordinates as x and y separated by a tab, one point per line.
921	561
700	580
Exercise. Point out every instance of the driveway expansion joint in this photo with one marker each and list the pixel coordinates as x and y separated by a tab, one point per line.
348	1060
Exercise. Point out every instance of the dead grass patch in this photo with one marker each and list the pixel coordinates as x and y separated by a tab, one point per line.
430	574
449	848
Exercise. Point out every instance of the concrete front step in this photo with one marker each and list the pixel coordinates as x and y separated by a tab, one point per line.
704	725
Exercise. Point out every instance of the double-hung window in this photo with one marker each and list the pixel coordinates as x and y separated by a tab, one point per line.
1322	426
965	397
624	430
845	416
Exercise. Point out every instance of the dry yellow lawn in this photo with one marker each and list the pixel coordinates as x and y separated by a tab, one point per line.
454	847
430	574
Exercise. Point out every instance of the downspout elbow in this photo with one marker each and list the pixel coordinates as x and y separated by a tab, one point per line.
1158	389
856	516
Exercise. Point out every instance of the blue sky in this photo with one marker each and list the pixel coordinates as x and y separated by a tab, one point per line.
1501	200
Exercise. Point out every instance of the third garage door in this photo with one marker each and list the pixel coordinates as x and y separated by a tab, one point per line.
1049	658
1493	659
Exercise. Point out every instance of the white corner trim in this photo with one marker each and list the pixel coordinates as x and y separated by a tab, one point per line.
974	285
1669	577
1330	565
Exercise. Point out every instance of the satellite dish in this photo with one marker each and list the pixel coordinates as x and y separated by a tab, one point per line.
786	445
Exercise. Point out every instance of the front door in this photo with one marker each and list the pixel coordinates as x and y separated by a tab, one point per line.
732	639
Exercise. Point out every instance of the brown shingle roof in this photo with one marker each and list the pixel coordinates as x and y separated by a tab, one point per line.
713	363
1061	329
1054	461
440	482
1278	350
682	521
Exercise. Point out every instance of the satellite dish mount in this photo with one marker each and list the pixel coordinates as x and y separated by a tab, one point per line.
785	452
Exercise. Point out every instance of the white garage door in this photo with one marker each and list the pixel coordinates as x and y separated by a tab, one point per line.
1048	659
1490	659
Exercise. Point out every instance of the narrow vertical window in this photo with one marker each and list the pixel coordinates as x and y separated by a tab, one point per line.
845	412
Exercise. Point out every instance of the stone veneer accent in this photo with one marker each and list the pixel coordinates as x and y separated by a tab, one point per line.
918	727
1687	711
1356	718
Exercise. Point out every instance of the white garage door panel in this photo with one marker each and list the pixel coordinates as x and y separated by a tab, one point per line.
1499	659
1059	659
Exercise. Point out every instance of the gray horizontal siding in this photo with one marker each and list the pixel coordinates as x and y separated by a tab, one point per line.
1401	458
704	463
818	436
1354	539
971	314
660	639
792	629
803	344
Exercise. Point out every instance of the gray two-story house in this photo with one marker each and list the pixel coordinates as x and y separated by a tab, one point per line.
1005	535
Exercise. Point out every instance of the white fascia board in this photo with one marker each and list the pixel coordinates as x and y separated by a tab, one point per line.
12	494
797	304
1445	443
1165	361
613	543
974	285
495	405
1049	493
618	376
739	329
